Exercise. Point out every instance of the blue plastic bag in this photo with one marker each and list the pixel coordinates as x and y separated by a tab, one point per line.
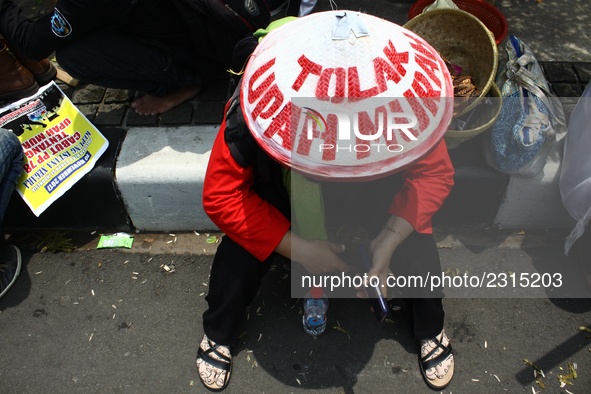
519	141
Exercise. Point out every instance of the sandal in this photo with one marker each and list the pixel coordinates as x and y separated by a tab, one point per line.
429	359
214	363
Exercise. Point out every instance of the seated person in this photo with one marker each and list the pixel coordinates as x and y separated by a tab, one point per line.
11	166
245	195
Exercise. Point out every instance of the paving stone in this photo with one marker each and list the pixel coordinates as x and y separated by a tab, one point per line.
67	89
584	72
88	94
118	96
209	113
136	120
110	115
567	89
177	116
89	110
560	72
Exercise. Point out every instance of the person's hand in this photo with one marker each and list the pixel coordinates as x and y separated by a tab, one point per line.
381	248
319	257
315	256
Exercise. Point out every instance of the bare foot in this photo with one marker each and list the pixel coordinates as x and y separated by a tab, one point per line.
152	105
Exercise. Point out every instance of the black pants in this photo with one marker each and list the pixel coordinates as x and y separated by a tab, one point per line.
118	60
236	274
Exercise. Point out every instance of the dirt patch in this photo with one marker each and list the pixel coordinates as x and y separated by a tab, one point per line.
187	243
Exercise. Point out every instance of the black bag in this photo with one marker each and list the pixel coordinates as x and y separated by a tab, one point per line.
241	143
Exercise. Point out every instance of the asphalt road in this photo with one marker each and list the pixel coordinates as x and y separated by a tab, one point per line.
119	320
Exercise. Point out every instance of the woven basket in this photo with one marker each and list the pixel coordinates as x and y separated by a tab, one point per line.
463	40
480	122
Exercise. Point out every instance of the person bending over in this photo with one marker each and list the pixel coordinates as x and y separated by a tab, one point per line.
165	49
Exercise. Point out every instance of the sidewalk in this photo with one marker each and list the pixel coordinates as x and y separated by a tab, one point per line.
150	178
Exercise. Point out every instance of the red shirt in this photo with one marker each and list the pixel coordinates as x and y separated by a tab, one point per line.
258	226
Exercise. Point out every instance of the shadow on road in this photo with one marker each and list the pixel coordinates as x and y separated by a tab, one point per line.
274	336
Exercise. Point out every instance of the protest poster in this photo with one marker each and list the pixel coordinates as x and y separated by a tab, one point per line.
60	144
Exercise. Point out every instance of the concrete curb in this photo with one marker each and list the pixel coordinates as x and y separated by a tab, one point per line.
160	175
535	203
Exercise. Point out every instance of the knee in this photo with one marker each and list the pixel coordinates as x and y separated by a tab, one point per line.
8	139
10	145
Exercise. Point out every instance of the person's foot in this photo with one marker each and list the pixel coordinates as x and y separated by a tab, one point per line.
214	363
10	267
437	361
152	105
42	70
16	82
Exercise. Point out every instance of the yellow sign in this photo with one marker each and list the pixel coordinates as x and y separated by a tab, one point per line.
59	142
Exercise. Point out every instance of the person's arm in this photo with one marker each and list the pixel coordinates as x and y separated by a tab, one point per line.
426	186
37	38
230	202
255	224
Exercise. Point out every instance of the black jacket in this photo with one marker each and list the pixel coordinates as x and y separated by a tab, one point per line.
214	26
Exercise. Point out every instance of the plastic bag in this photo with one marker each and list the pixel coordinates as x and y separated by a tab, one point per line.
575	172
441	5
519	141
